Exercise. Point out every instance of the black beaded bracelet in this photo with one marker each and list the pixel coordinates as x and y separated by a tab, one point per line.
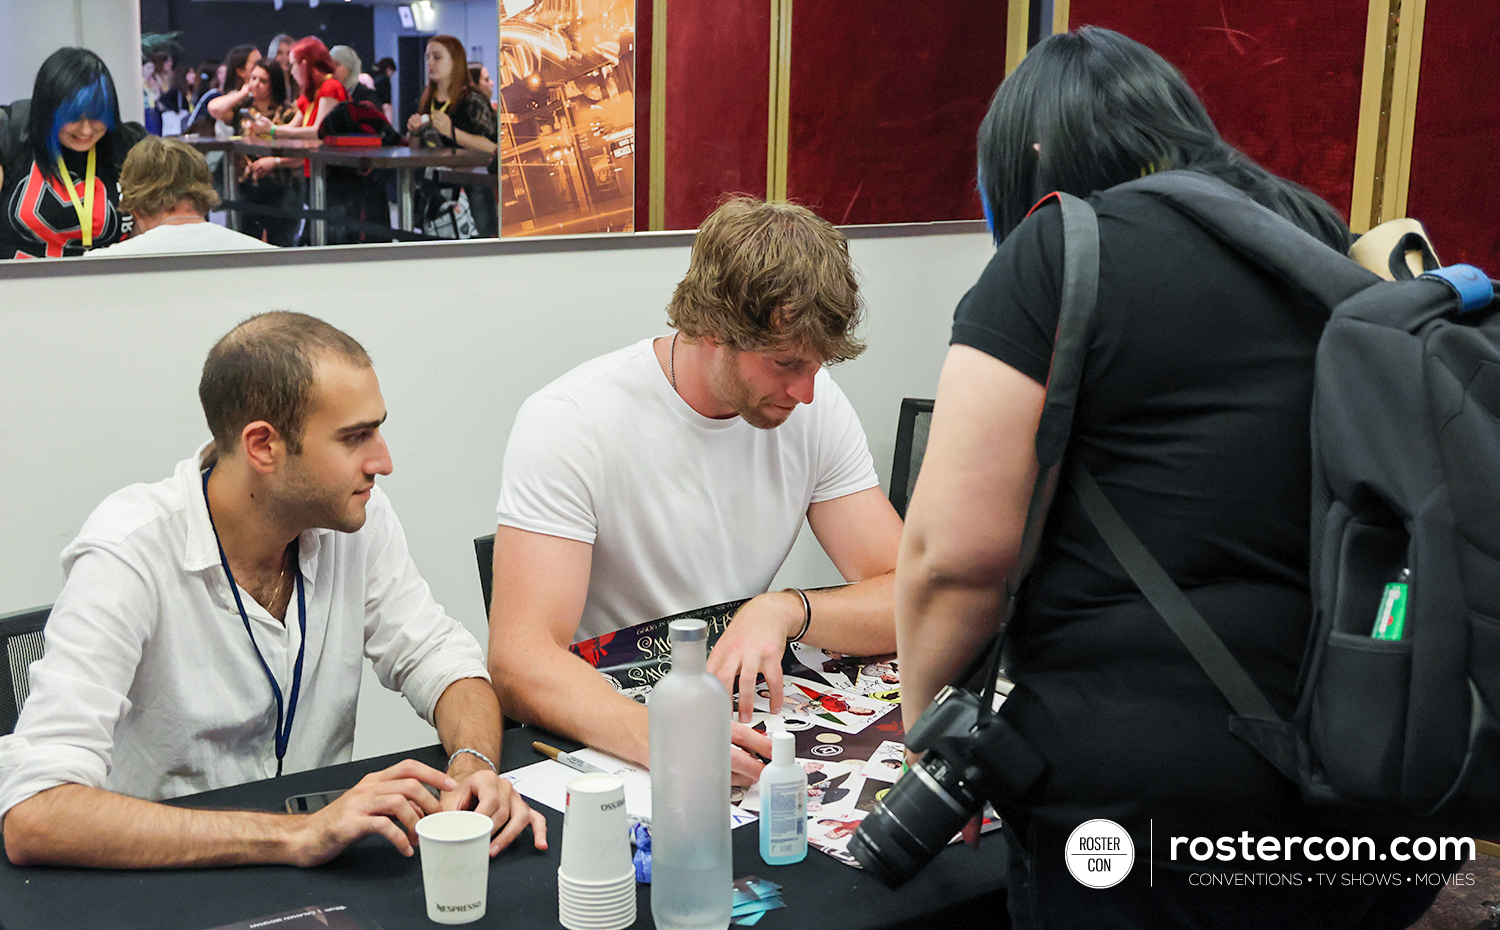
806	614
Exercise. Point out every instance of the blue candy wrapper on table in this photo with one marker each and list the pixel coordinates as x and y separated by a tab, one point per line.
640	838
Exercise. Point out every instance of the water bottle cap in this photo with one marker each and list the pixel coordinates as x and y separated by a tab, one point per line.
783	748
688	631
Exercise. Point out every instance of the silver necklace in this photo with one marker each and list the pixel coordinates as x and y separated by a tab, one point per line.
672	362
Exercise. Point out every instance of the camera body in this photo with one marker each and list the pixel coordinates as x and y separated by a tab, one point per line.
932	801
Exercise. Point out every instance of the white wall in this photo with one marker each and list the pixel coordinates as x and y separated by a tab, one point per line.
30	30
99	365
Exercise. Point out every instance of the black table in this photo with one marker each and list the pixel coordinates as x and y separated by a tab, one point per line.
962	888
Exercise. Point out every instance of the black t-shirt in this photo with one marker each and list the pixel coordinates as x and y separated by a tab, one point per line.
1194	418
473	114
37	218
365	94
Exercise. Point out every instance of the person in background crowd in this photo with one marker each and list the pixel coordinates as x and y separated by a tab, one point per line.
461	116
479	76
312	70
268	180
280	48
384	69
240	60
166	104
166	186
1193	417
206	88
176	635
200	80
60	158
346	69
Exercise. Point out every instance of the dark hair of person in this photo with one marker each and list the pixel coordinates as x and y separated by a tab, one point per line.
233	62
1105	109
274	77
72	84
769	276
475	71
315	59
458	80
266	369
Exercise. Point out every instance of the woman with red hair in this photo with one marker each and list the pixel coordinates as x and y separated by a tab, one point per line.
312	69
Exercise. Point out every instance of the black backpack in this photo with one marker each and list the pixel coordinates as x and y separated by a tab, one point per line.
358	118
1406	474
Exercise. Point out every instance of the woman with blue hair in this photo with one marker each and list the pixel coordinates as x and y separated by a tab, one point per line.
60	158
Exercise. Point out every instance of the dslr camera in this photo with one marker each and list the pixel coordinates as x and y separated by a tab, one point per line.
970	757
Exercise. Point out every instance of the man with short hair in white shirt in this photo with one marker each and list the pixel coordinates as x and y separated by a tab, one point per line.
676	473
213	627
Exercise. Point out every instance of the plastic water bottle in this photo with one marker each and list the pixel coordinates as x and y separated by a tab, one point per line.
783	804
691	876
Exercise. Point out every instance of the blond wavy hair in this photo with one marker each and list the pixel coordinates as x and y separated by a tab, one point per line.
159	173
770	276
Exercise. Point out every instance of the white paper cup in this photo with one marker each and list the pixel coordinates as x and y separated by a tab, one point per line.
596	832
455	851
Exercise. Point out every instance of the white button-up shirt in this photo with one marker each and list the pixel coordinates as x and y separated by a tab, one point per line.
150	686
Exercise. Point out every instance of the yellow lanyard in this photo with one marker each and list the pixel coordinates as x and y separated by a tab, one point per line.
85	210
444	107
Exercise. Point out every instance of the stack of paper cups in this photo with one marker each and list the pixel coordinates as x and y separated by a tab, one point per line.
596	880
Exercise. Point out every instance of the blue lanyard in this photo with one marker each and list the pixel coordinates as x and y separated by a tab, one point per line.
283	733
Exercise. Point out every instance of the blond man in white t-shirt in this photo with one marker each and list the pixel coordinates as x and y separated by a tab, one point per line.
676	473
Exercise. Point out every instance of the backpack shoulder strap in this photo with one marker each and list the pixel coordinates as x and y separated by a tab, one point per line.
1263	237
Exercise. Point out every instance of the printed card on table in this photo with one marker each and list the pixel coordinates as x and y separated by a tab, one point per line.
810	703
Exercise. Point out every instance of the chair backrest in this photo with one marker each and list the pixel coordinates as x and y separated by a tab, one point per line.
20	645
911	443
484	551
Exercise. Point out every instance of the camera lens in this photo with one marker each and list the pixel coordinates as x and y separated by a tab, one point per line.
913	821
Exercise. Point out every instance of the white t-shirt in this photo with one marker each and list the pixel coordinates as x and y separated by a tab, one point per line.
173	239
150	686
682	510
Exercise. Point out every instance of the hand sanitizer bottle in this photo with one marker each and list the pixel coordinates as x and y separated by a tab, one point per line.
783	804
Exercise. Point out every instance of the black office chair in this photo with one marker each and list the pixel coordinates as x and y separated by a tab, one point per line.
484	551
911	443
20	645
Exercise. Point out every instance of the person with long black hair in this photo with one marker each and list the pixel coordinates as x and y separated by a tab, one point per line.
1193	416
60	158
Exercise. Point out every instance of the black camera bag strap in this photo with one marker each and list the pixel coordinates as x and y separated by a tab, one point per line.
1080	293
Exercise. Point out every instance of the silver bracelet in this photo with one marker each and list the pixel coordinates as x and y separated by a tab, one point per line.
474	752
806	615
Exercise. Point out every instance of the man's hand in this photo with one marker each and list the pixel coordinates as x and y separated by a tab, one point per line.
753	644
748	750
388	803
483	791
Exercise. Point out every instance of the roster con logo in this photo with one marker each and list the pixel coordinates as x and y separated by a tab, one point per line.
1100	854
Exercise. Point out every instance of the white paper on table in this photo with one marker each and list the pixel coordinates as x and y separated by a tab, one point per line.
546	782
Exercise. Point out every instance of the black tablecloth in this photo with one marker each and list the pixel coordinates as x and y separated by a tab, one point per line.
962	888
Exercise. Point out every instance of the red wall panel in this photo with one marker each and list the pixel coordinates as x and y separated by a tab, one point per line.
886	96
1281	78
717	104
1453	190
